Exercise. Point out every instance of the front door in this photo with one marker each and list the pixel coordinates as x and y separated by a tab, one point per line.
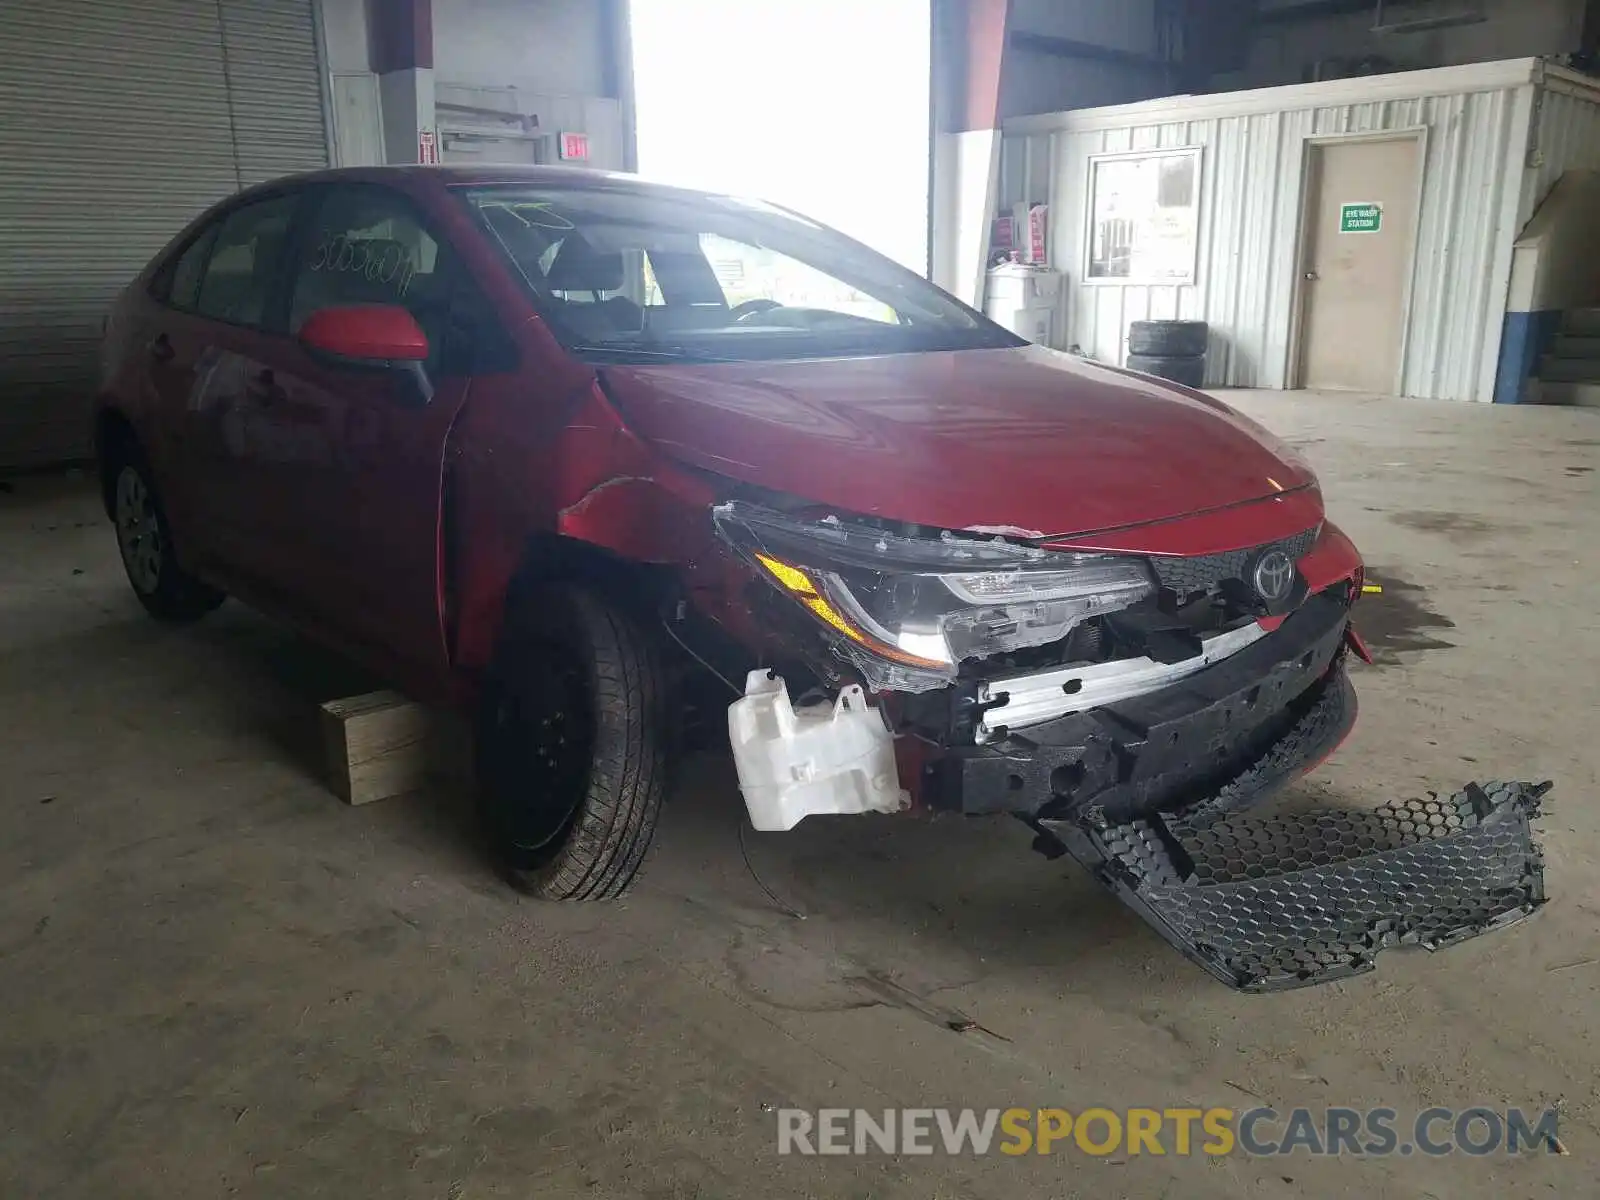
360	499
1362	227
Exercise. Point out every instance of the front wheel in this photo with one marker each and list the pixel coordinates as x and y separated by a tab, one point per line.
571	746
167	591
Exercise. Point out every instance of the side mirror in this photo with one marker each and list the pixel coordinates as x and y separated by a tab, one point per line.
376	334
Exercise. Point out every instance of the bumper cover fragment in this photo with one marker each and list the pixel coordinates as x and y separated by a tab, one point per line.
1267	903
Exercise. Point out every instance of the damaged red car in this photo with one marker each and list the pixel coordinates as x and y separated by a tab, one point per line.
579	454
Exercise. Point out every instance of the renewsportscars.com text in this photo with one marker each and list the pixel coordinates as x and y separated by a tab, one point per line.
1103	1132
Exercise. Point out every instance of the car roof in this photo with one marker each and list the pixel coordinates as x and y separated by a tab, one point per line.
411	175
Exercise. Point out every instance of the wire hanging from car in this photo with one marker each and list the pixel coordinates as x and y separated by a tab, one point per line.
781	904
684	646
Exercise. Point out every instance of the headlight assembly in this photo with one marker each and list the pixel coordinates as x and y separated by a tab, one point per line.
908	611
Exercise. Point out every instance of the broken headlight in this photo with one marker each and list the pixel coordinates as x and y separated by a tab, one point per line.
909	610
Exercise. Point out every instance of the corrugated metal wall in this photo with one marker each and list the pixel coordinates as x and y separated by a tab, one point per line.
1567	137
1251	196
275	87
119	121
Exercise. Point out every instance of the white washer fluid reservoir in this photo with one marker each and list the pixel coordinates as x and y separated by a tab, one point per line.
823	758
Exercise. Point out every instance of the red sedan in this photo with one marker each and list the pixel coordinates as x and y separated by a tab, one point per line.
560	447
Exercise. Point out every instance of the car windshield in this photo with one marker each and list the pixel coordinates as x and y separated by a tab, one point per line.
628	275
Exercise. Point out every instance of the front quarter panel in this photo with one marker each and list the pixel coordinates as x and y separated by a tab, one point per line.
531	464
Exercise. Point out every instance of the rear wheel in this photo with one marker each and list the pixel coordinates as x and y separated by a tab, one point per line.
144	539
572	739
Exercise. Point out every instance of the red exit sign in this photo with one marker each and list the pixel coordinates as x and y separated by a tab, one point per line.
573	147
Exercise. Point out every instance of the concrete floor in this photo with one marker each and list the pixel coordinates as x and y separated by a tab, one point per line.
216	979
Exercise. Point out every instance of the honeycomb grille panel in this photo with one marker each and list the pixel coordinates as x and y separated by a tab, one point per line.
1274	902
1186	576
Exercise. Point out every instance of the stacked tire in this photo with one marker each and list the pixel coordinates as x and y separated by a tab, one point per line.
1174	350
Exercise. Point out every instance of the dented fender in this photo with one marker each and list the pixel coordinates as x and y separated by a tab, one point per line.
582	476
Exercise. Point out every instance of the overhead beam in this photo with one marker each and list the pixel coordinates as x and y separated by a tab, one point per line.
1060	47
1313	10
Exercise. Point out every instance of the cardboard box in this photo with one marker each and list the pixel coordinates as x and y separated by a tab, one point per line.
1038	250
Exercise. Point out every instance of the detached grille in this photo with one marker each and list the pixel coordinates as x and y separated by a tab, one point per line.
1186	576
1273	902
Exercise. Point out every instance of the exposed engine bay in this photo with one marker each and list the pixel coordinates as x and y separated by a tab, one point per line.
1129	709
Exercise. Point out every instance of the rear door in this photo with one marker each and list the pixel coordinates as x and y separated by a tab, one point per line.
212	354
170	342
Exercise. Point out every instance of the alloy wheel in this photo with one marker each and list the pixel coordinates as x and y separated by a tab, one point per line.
139	534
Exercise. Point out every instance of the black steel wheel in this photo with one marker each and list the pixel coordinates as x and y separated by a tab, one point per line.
572	738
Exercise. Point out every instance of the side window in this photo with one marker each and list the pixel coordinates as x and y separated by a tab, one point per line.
246	255
367	246
183	289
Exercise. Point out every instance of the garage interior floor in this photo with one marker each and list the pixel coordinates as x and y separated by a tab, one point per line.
217	979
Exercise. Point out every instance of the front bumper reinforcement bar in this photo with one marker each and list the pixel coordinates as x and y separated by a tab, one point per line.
1270	902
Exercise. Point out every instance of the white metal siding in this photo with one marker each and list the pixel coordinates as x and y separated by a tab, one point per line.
1568	137
116	127
1251	196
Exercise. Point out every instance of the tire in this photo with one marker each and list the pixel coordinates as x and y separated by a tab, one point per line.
167	591
572	746
1191	372
1169	339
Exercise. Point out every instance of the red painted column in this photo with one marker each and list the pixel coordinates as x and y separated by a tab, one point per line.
400	36
986	22
969	39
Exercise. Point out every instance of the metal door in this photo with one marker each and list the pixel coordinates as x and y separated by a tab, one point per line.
1360	237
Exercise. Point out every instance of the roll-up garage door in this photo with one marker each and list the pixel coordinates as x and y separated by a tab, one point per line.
119	121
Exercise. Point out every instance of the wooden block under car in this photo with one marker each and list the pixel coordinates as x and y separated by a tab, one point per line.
378	745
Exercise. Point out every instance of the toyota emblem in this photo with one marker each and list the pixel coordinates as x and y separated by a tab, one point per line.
1274	576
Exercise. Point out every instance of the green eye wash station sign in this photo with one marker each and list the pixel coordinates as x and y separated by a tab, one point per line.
1360	218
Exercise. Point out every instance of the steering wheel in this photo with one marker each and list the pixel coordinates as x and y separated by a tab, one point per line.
752	308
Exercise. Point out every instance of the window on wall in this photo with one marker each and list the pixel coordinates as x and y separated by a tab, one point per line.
1144	217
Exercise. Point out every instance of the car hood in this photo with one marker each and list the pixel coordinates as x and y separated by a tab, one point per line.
1023	441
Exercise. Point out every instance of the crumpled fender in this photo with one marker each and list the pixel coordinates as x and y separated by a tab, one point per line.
593	482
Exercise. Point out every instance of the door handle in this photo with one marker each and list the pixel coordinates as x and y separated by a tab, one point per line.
161	348
264	388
